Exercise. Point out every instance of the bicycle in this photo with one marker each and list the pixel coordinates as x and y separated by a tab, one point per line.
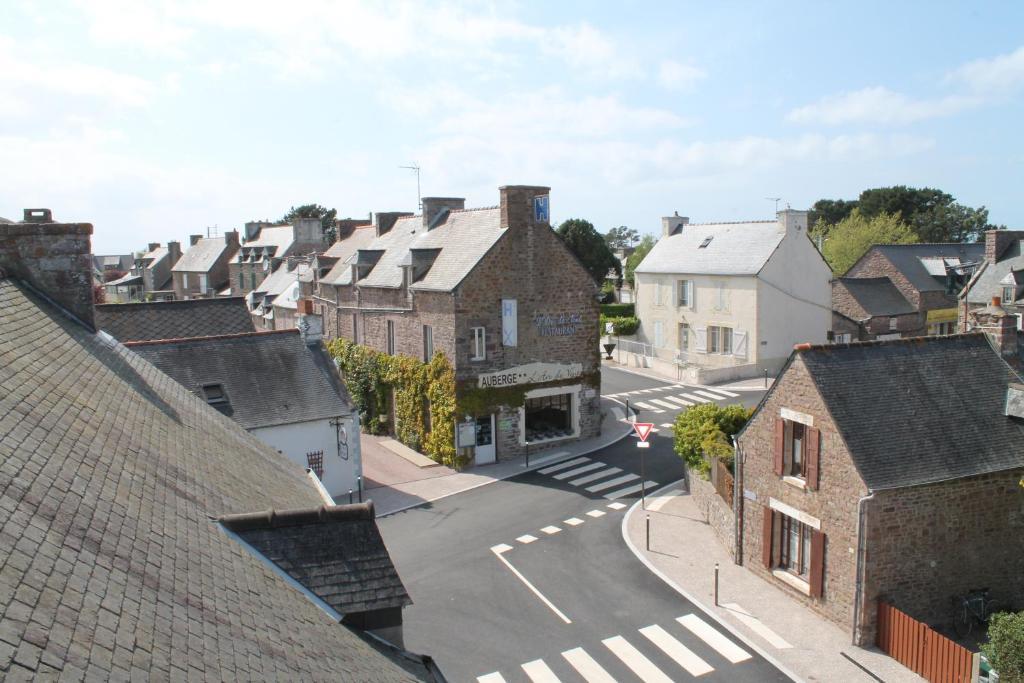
974	606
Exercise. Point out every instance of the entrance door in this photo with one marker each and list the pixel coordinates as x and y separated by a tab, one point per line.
485	452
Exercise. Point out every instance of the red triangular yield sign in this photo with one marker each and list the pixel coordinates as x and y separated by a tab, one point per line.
643	429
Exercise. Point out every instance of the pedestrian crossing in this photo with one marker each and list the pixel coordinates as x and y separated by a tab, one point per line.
716	393
656	654
674	397
598	477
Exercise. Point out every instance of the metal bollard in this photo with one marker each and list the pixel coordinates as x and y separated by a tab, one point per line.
766	378
359	486
716	584
350	496
648	532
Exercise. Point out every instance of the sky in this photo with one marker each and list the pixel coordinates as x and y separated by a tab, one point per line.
156	120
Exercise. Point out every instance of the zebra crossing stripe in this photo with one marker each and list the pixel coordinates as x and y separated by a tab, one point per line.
709	394
635	660
698	399
722	645
645	406
628	491
680	401
539	672
579	470
587	667
612	482
491	678
563	465
664	404
594	477
682	655
728	393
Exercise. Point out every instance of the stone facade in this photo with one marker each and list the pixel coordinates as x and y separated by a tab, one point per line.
716	512
862	326
188	284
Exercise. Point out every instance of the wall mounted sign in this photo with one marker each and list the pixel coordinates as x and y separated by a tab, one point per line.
509	322
541	212
558	324
467	434
532	373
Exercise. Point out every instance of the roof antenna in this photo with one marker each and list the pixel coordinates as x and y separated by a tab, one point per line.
776	200
416	167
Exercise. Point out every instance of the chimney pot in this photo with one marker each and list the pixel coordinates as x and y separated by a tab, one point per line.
433	207
193	239
997	301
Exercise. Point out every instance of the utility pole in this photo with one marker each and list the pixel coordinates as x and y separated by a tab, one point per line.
776	200
416	168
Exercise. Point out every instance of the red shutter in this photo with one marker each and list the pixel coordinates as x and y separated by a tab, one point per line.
813	449
766	538
817	562
780	445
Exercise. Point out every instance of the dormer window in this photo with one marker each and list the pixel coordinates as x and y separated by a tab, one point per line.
706	242
1009	294
214	394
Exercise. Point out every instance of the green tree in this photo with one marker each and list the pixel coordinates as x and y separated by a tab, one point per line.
638	255
830	211
590	248
708	429
1005	646
621	237
326	216
848	240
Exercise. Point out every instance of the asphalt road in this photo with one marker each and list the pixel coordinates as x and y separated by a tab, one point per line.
533	567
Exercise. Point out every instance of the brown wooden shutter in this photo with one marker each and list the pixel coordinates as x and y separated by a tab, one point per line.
817	562
766	538
780	446
813	449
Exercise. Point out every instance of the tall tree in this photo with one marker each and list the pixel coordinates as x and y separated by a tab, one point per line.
326	216
849	239
830	211
621	237
590	248
641	251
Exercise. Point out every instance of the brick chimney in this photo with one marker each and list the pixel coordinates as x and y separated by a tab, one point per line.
193	239
997	241
383	221
55	258
434	206
999	325
673	225
517	205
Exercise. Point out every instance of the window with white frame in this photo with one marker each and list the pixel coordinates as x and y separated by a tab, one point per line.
843	338
479	339
684	337
684	293
1009	294
719	339
894	324
428	343
793	548
659	334
658	298
721	301
391	337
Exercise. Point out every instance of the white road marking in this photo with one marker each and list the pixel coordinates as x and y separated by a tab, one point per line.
587	667
698	399
579	470
635	660
656	504
722	645
630	490
561	615
664	404
667	425
526	538
574	521
644	406
616	506
755	625
501	548
682	655
629	476
709	394
563	465
596	513
551	530
491	678
595	476
680	401
539	672
721	391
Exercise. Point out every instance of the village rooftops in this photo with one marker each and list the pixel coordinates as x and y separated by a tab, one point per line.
878	296
741	248
202	256
924	265
995	276
271	240
174	319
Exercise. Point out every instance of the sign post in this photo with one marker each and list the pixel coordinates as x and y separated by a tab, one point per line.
643	430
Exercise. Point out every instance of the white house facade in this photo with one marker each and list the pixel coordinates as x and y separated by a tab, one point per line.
725	301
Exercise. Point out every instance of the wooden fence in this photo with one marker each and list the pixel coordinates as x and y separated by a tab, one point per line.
723	481
923	650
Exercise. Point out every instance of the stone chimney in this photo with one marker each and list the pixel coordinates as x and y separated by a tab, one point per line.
308	231
231	238
173	252
54	258
434	206
153	246
999	325
311	325
519	205
345	226
997	241
673	225
383	221
792	221
192	239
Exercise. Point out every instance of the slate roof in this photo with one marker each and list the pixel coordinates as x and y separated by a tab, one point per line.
270	378
276	240
463	238
344	249
990	279
111	563
908	259
919	410
126	279
734	249
201	256
336	552
878	296
174	319
121	262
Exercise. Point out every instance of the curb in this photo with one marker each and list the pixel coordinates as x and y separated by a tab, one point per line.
546	463
701	606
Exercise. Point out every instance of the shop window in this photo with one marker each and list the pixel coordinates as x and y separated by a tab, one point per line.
479	350
548	417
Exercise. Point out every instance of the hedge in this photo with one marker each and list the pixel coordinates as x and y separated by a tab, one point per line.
618	310
621	326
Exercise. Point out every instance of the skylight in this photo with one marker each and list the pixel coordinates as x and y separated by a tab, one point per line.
706	242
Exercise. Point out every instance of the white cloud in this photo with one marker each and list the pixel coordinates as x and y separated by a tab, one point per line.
676	76
994	76
878	105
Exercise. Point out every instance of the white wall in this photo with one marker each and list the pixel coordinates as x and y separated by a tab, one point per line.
297	439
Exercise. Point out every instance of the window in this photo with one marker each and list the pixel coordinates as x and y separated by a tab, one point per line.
252	279
797	452
944	328
214	394
719	340
685	293
1009	294
202	283
706	242
893	324
391	337
241	280
659	334
793	548
843	338
795	444
548	417
428	343
184	281
684	337
658	299
479	349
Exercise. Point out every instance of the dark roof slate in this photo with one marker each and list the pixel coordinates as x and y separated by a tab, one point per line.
336	552
175	319
906	258
111	563
920	410
270	378
878	296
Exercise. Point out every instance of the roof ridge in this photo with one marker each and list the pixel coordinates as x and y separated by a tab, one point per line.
926	244
475	208
216	337
271	519
690	225
889	342
176	302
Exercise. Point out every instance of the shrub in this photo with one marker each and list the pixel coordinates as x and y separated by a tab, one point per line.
621	327
1005	646
618	310
706	430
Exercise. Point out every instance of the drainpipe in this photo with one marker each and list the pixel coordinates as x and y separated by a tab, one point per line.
737	502
861	554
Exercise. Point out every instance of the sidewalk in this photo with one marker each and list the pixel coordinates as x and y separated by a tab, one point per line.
395	485
684	551
753	384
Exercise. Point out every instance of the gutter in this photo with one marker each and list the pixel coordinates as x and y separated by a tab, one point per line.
737	502
861	557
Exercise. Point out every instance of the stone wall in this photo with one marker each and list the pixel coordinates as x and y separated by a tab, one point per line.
716	511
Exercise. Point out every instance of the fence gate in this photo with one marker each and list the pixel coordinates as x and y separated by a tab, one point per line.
315	462
922	649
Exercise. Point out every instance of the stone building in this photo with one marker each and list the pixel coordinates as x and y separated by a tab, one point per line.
202	271
1001	275
868	308
265	246
149	277
886	471
499	294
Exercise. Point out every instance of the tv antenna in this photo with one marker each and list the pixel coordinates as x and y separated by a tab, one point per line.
416	168
776	200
